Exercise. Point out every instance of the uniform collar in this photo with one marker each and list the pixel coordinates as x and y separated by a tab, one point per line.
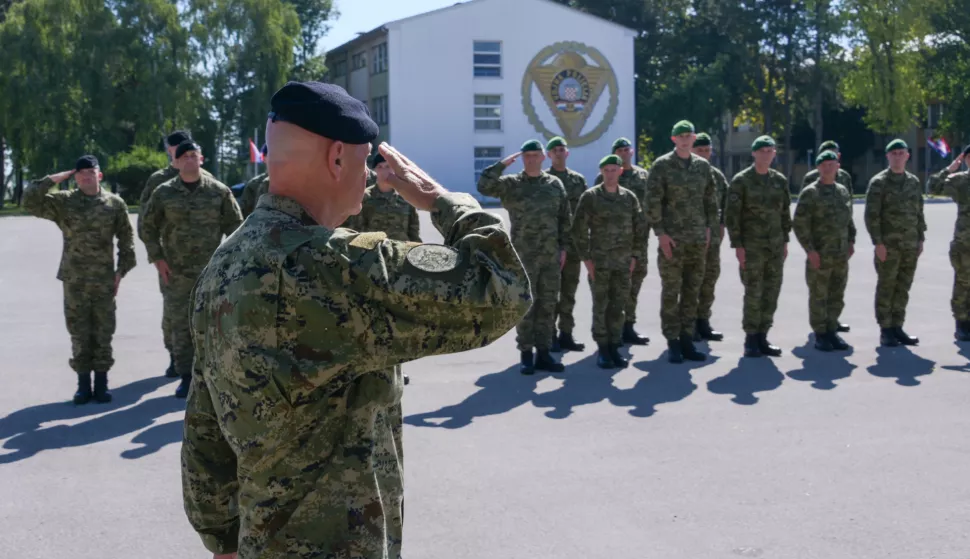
287	206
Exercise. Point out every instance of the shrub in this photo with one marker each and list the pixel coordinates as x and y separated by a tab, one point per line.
130	170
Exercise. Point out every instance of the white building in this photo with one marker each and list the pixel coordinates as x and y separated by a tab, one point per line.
456	89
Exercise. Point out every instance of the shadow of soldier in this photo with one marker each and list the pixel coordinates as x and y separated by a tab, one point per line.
901	364
752	375
154	439
820	368
95	430
583	384
664	383
964	351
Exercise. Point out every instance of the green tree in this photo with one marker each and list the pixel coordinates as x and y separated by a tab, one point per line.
947	65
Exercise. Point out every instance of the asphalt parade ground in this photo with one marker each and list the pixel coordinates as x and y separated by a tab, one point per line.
810	455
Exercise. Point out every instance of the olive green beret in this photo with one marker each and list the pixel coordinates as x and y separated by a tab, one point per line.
829	145
896	144
555	142
531	145
827	155
610	160
621	143
682	127
702	140
763	142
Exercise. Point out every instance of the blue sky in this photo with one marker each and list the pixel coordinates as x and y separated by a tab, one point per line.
364	15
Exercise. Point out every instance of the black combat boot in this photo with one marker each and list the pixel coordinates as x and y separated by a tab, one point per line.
838	344
618	359
751	347
545	362
528	365
688	350
170	371
182	391
765	346
905	338
963	331
83	394
675	352
823	342
604	357
565	342
704	331
887	337
843	328
632	337
101	394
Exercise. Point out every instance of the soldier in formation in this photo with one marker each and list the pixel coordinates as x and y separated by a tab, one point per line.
185	220
296	403
956	185
539	213
843	177
758	220
384	210
823	226
681	210
895	222
254	188
712	265
610	233
90	219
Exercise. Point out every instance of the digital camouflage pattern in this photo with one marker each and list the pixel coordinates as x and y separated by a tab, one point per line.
292	428
575	185
712	262
823	224
184	227
254	188
541	221
635	180
389	213
89	226
894	217
957	187
842	177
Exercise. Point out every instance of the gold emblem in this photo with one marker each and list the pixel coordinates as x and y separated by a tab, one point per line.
571	87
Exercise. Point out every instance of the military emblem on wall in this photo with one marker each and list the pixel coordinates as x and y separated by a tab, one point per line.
571	78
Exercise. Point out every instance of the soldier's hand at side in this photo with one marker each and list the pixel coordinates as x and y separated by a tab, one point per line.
786	252
667	245
851	249
881	252
410	181
117	283
562	259
590	269
740	254
511	159
633	264
815	260
722	231
163	270
61	177
920	253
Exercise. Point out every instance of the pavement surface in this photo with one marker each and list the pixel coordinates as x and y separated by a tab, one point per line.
805	456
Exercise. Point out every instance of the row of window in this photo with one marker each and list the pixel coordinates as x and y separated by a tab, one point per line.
359	61
486	60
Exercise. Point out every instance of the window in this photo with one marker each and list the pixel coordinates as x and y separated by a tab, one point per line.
379	110
379	59
485	157
488	112
339	69
488	59
358	61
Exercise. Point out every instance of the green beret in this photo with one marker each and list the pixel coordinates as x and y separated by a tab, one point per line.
702	140
621	143
827	155
682	127
555	142
896	144
531	145
763	142
610	160
829	145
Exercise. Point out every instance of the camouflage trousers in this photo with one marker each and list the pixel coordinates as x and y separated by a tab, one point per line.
826	292
892	288
762	274
680	279
636	282
538	327
569	283
712	271
960	301
178	308
166	321
89	310
611	289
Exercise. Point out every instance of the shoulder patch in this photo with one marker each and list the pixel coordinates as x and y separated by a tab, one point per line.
368	241
433	258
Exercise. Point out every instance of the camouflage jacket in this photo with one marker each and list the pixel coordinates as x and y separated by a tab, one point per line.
575	185
89	226
634	180
894	209
538	210
842	177
184	227
721	186
957	187
295	400
255	187
610	229
758	210
389	213
681	198
158	178
823	219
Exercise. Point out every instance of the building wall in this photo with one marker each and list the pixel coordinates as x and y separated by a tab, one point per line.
432	86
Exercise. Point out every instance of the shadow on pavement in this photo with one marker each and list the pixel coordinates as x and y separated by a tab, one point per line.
154	438
583	384
901	364
964	351
664	383
752	375
820	368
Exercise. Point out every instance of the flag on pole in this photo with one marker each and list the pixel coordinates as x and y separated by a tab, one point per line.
940	146
255	156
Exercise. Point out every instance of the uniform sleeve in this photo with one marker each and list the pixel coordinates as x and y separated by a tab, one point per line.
492	183
874	210
146	195
732	211
565	221
126	241
580	228
921	217
936	184
247	201
852	229
414	226
808	179
151	229
802	223
722	188
656	191
710	202
955	186
38	202
231	215
786	211
640	232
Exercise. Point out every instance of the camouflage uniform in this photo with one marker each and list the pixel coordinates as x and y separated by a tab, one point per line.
575	185
255	187
387	212
635	180
290	444
352	221
89	225
183	227
823	224
758	219
681	203
712	263
539	214
894	217
609	229
842	177
957	187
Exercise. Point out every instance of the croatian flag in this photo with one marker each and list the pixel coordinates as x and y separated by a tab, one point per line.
940	146
255	156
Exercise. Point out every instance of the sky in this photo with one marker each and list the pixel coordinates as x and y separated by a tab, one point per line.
364	15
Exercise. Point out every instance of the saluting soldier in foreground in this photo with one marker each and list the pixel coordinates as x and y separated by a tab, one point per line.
957	186
292	426
90	220
712	263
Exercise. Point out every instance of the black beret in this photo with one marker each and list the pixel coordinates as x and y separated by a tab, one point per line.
324	109
966	150
187	145
378	159
176	138
702	139
86	162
